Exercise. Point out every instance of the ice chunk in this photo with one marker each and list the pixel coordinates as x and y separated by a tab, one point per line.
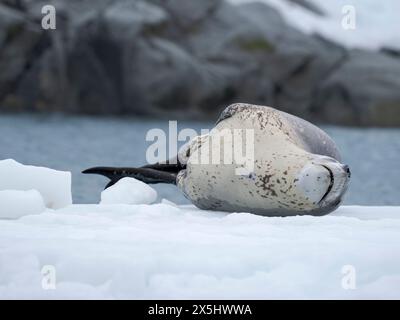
15	203
129	191
54	186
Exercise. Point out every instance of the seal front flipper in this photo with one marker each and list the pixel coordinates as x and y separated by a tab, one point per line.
151	174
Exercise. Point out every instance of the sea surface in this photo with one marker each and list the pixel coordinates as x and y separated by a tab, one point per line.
76	143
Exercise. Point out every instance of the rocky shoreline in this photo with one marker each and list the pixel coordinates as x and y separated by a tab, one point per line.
186	59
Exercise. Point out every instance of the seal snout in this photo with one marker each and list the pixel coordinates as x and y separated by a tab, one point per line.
340	177
324	182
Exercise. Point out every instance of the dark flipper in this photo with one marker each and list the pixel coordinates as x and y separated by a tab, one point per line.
157	173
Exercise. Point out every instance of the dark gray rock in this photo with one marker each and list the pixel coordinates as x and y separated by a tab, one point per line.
310	6
21	42
274	63
100	52
185	59
363	90
187	14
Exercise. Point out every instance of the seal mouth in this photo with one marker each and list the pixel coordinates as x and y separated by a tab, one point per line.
332	182
339	179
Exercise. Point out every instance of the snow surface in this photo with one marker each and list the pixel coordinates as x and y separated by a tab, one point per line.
377	22
163	250
54	186
168	251
15	203
129	191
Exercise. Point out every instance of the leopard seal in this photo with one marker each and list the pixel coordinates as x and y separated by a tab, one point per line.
296	169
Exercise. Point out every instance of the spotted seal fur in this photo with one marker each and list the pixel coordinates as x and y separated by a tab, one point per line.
297	167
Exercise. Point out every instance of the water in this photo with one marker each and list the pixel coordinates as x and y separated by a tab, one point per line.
76	143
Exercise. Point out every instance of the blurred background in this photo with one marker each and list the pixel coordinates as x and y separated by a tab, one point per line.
86	93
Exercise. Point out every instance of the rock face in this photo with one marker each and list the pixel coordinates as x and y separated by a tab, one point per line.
363	90
162	57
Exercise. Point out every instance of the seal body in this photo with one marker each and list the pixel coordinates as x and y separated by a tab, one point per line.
293	167
296	169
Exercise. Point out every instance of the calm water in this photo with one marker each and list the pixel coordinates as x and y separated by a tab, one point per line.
76	143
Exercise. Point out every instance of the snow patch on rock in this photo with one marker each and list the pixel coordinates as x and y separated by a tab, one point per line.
376	21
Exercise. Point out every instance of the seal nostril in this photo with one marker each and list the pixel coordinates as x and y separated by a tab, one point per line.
347	169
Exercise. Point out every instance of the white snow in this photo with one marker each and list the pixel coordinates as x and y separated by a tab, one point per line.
168	202
129	191
376	21
168	251
126	247
54	186
15	204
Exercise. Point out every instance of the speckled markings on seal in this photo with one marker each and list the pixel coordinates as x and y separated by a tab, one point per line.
294	164
296	167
